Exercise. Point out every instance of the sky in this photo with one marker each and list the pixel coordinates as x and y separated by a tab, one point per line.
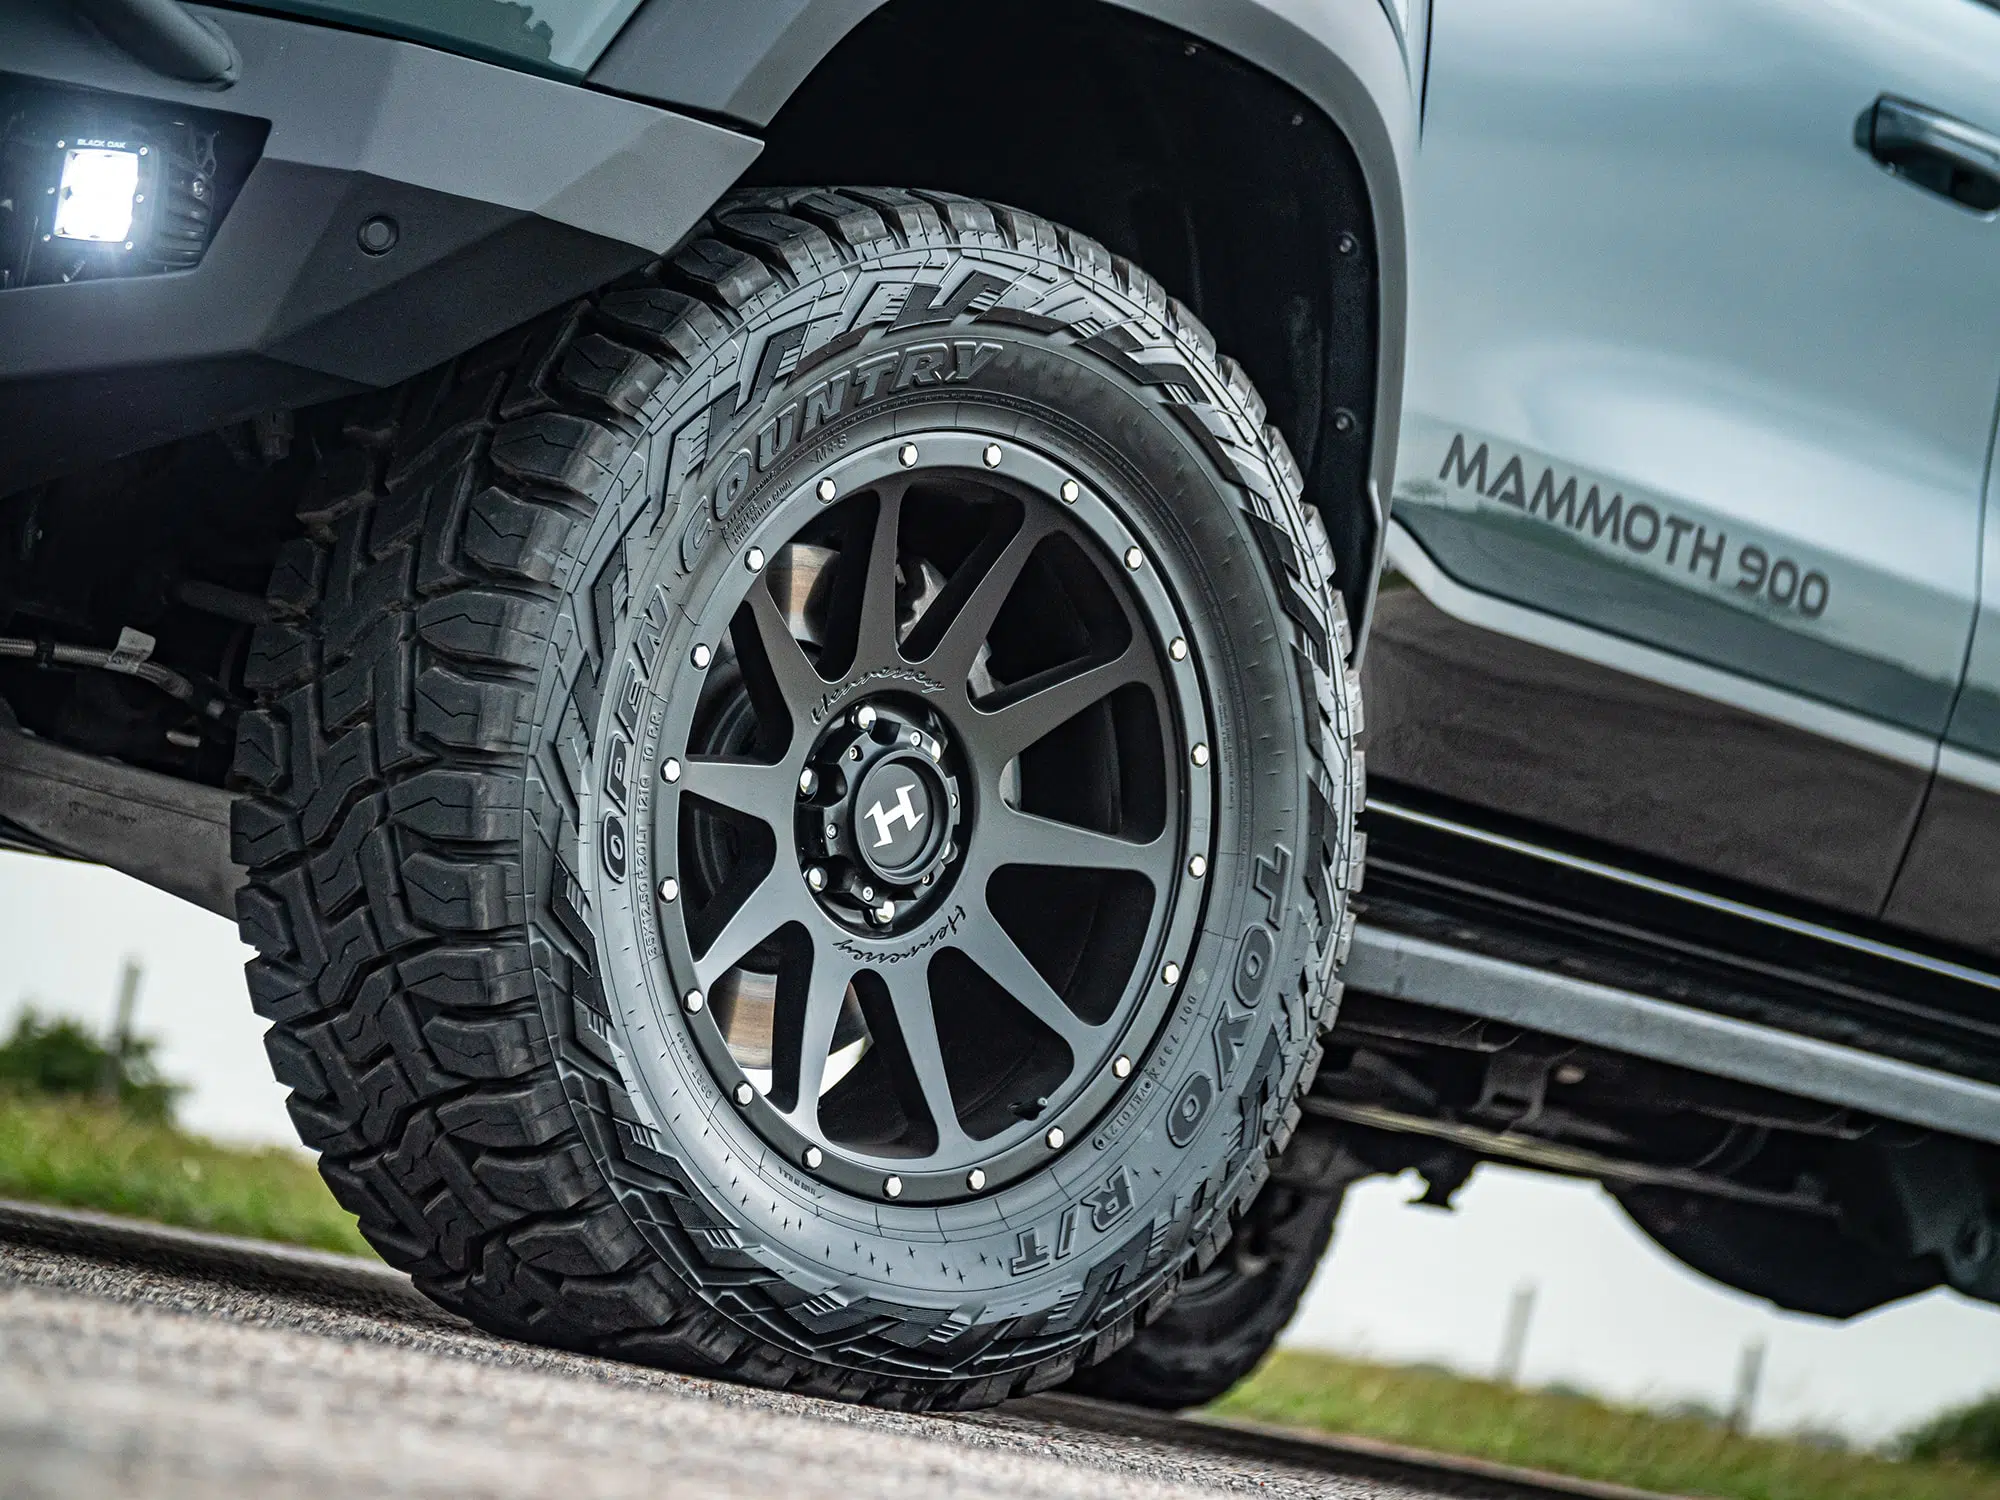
1612	1312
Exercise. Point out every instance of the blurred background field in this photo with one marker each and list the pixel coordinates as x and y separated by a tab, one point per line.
159	1104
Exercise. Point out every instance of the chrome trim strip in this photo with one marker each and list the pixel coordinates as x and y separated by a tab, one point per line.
1408	557
1908	957
1403	967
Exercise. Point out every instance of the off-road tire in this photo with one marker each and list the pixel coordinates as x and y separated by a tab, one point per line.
1224	1321
452	1003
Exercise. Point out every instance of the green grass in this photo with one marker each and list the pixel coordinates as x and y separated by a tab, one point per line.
1578	1435
82	1154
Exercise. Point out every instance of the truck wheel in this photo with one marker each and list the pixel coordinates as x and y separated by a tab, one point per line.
1225	1320
803	807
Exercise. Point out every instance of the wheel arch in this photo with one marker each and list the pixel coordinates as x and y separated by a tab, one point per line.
1224	145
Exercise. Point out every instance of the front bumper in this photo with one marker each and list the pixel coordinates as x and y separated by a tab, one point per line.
509	193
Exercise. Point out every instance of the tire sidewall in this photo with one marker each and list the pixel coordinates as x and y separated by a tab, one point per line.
1120	1206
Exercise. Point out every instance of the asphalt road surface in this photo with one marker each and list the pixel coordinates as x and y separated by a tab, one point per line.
147	1363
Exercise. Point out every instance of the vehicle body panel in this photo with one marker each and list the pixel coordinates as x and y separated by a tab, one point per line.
540	190
1689	368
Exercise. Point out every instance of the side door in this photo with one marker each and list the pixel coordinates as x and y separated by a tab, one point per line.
1699	401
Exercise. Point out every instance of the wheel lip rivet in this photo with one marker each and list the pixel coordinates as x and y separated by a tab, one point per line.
745	1093
991	456
1069	491
754	559
1198	866
1199	755
813	1157
893	1187
670	890
701	656
670	770
1055	1137
1134	559
832	833
907	455
1171	974
1177	648
1121	1067
693	1001
826	489
816	878
976	1180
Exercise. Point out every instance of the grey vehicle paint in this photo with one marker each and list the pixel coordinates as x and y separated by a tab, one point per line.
1650	263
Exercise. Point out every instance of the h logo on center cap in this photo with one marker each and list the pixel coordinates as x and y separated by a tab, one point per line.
904	812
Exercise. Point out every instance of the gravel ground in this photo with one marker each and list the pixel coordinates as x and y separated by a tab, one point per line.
149	1364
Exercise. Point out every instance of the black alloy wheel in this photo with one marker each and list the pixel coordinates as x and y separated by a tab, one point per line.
801	814
926	830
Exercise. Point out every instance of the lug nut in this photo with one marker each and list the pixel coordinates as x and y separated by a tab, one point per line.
864	716
1177	649
907	455
893	1187
1197	867
827	489
1070	491
951	849
816	878
992	455
701	656
975	1179
808	782
692	1000
744	1093
754	559
1054	1137
670	889
813	1157
671	771
1199	755
1134	558
1171	974
935	750
885	913
1122	1067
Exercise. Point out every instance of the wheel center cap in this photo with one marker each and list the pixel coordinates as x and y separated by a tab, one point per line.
896	828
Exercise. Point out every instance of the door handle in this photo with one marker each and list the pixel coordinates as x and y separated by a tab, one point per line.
1933	151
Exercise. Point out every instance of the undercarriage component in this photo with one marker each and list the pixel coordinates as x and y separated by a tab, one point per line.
169	833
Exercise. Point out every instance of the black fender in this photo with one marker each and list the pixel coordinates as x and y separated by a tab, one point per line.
1358	61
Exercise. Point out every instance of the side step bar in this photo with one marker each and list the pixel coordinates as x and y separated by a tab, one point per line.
169	833
1402	966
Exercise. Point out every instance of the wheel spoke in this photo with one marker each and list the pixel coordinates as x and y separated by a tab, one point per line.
1012	837
875	641
766	907
760	791
826	993
782	681
951	632
993	949
910	994
1039	705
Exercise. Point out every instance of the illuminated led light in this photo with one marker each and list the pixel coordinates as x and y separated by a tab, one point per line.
95	197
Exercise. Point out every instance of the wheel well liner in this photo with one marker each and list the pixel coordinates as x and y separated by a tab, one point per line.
1237	190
